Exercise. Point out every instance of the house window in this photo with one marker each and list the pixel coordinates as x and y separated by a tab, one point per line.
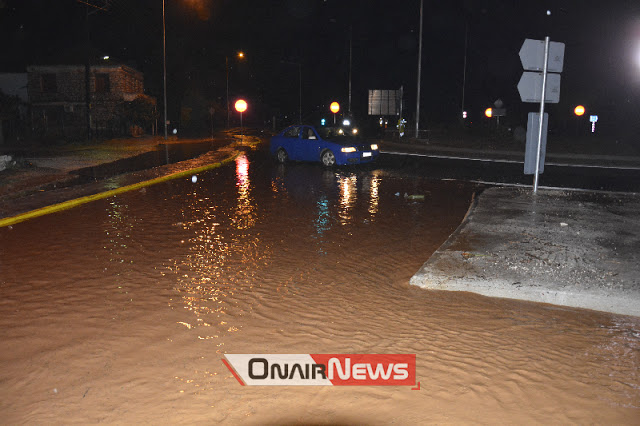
102	83
48	83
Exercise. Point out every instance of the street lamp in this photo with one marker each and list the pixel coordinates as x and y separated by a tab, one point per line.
334	107
299	86
240	55
164	65
241	106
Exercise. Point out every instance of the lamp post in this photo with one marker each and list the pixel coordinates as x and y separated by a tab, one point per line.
241	106
226	62
164	65
334	107
299	86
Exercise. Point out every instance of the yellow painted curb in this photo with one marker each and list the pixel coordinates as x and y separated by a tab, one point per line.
106	194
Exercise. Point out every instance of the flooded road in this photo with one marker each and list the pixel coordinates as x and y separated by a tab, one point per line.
119	311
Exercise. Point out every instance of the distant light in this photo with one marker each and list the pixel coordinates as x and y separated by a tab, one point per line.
175	131
334	107
579	110
355	131
464	114
548	14
106	58
194	178
241	105
346	122
240	54
488	112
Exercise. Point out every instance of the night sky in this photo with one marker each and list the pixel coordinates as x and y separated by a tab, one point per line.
601	69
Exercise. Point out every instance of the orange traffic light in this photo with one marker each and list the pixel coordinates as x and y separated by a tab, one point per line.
488	112
334	107
579	110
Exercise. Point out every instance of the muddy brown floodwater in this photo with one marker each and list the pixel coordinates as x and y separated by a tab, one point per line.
120	311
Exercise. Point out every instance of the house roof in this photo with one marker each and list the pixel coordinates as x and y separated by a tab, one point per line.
104	67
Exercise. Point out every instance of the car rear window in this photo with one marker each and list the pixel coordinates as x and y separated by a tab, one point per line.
292	132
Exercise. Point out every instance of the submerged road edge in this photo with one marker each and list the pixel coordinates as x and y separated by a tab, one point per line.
558	247
65	205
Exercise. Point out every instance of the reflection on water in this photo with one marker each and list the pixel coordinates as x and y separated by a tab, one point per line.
118	230
245	210
294	259
348	196
374	198
222	254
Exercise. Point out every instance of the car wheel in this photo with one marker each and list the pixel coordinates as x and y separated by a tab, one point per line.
328	159
282	156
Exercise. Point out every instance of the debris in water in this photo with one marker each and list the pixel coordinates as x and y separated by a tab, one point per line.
416	197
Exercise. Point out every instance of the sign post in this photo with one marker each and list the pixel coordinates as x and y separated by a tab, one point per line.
540	121
545	56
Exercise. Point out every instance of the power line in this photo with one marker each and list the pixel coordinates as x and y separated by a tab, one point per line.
104	8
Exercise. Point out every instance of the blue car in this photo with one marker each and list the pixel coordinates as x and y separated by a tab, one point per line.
329	145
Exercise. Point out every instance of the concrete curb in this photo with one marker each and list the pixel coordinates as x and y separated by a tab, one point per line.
566	248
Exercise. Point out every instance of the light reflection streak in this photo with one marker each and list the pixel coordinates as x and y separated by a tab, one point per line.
374	198
118	231
347	197
245	210
222	257
323	220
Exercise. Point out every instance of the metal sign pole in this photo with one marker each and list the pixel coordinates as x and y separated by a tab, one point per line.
544	89
419	72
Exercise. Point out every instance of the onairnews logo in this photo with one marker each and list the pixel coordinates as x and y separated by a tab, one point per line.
323	369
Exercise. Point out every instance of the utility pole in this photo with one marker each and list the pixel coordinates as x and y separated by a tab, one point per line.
226	64
419	71
464	67
87	77
164	67
87	62
300	92
350	63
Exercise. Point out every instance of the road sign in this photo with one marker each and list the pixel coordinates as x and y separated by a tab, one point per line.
531	149
530	87
532	55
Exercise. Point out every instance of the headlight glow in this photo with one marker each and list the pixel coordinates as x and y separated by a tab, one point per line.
348	149
355	131
374	146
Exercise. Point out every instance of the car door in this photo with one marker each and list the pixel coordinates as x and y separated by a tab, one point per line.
291	142
309	144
